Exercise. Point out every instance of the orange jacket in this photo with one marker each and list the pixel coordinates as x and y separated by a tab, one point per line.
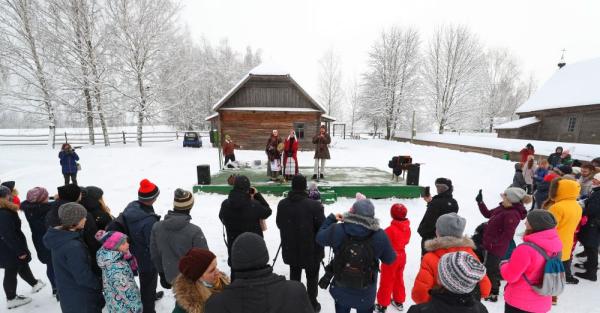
427	278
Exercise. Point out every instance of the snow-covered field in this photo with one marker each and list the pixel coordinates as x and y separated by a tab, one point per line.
119	169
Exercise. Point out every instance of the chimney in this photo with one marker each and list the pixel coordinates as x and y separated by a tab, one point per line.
562	62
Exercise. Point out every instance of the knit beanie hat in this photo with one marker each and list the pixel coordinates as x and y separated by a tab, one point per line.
540	220
459	272
147	191
443	184
450	224
299	182
249	251
242	183
313	192
92	192
363	208
69	193
71	213
360	196
514	194
195	262
597	176
184	200
565	169
111	240
10	184
398	211
4	191
37	195
550	177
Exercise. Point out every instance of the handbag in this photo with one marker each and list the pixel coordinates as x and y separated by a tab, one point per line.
78	166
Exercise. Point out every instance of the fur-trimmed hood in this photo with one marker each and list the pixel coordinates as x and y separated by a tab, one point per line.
370	223
191	296
447	242
9	205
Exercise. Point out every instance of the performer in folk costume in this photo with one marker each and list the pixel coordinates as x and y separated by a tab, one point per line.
229	150
290	155
273	150
321	140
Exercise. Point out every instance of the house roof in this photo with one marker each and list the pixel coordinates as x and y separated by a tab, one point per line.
266	69
520	123
571	86
210	117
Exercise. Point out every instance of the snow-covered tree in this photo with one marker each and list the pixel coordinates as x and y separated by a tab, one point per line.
330	82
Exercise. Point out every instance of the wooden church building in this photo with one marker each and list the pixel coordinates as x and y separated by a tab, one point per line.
566	108
267	98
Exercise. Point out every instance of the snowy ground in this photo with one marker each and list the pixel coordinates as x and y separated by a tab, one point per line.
118	171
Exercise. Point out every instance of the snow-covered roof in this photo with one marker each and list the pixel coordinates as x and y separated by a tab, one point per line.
519	123
328	118
266	109
573	85
265	69
210	117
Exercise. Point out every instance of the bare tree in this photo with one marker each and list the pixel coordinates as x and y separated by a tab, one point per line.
452	68
330	81
353	96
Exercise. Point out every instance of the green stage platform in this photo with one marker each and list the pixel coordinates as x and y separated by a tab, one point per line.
339	182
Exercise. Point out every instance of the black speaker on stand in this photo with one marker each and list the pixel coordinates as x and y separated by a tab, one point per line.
203	172
412	175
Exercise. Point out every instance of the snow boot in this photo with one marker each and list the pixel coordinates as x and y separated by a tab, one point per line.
492	298
314	176
317	307
321	176
17	302
380	309
572	280
589	275
397	305
159	295
37	287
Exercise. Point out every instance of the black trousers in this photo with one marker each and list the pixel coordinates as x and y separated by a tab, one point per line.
73	178
312	279
423	251
567	265
10	279
492	266
591	264
230	157
511	309
148	284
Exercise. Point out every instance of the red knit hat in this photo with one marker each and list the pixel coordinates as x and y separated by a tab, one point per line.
148	191
550	177
398	211
195	262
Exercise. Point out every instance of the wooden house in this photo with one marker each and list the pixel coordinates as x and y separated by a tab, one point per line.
566	108
267	98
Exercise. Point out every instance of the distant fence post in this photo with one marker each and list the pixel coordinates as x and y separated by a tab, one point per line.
177	134
124	140
66	140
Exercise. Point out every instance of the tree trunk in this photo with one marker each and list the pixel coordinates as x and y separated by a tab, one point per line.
142	111
441	128
491	124
89	111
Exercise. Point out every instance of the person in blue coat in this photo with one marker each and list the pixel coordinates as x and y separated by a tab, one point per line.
139	218
79	288
68	162
359	222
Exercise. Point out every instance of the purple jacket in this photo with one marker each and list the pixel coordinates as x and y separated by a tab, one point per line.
501	226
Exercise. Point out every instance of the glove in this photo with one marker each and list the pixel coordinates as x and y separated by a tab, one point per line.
479	197
163	281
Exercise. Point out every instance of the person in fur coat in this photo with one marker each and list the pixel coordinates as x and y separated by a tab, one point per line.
121	293
199	279
449	229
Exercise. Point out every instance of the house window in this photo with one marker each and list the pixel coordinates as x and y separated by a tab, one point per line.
572	121
299	129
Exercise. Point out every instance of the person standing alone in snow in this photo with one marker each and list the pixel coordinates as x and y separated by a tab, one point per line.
68	162
321	141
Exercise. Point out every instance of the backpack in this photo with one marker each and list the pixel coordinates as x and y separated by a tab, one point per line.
118	224
554	279
354	264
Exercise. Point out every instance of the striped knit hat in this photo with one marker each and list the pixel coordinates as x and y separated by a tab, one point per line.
459	272
184	200
148	191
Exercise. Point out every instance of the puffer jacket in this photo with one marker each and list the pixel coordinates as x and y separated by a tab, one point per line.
427	278
171	239
501	226
140	219
566	210
526	261
68	161
440	204
12	240
120	291
36	217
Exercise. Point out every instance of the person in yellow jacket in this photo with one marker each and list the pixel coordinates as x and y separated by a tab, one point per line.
562	203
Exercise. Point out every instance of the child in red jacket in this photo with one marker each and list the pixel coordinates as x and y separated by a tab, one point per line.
391	286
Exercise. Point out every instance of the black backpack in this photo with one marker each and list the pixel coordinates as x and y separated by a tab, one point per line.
354	264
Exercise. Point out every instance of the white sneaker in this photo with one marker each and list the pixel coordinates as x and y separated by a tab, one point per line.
37	287
17	302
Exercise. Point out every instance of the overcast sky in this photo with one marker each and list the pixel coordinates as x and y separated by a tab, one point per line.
295	34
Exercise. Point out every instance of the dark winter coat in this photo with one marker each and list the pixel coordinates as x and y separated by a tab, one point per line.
445	302
441	204
519	179
321	146
260	291
36	216
541	193
333	235
589	235
271	148
239	213
89	231
12	240
101	217
539	175
171	239
554	159
79	288
299	219
68	161
501	226
140	219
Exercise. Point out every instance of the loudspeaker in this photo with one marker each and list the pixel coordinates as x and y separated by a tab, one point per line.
203	172
412	175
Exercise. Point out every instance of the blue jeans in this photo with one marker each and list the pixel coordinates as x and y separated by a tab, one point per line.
342	309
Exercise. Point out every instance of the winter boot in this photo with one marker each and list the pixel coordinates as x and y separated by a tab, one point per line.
314	176
589	275
492	298
159	295
321	176
572	280
380	309
17	302
397	305
554	300
37	287
317	307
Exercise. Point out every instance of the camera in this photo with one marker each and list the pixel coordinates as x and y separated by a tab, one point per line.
327	277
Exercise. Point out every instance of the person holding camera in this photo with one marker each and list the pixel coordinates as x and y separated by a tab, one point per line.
68	161
290	156
437	206
358	244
